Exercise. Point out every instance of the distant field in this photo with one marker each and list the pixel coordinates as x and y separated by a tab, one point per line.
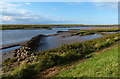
103	65
5	27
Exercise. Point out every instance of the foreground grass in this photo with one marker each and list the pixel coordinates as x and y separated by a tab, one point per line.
103	65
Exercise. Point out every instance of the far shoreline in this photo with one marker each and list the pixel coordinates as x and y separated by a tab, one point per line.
23	26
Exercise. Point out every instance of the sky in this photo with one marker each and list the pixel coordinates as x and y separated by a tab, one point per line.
88	13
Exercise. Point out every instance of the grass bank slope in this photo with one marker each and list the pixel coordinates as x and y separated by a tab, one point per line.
103	65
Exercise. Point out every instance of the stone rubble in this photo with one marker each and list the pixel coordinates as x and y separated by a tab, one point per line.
24	53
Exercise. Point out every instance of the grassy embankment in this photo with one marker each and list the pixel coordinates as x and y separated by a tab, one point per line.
6	27
59	56
103	65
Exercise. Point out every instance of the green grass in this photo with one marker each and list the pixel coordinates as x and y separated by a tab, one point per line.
103	65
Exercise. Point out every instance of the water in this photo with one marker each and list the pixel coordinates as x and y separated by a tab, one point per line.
17	36
10	37
9	49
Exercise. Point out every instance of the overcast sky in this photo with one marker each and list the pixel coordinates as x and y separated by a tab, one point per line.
59	13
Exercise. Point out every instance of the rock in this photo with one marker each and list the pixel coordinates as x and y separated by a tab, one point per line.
15	54
18	54
20	59
24	51
28	53
7	59
23	47
4	53
18	51
25	54
32	54
23	57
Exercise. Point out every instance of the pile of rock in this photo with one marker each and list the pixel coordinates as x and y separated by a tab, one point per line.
24	53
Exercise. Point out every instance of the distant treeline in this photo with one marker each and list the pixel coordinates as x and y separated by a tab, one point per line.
5	27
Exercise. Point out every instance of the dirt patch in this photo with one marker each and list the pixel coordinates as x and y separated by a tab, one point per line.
49	72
